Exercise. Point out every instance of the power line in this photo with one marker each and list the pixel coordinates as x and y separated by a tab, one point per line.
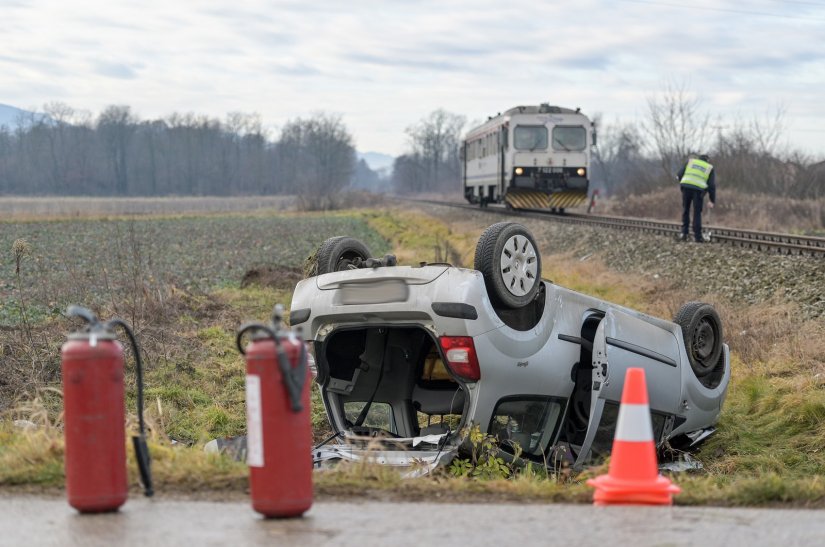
728	10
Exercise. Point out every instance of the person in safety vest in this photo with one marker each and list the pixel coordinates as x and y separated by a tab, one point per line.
696	178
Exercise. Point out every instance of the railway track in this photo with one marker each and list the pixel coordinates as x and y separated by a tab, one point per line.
776	243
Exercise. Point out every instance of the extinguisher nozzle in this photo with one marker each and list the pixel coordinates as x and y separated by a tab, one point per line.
144	464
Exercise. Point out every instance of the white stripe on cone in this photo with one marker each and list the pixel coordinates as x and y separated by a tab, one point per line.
634	423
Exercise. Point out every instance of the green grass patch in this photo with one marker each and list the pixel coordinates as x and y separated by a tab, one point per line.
416	237
96	261
30	458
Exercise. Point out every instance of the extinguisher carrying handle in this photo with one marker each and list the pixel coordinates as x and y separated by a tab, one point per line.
294	378
84	313
142	456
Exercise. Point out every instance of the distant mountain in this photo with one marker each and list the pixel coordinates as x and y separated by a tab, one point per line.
377	161
10	115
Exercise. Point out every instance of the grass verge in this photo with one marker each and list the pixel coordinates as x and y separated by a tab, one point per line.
769	448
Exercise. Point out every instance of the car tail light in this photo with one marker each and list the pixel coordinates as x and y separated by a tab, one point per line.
460	354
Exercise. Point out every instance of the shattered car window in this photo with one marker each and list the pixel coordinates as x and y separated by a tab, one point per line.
529	421
379	415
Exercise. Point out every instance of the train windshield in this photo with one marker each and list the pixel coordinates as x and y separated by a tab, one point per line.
530	137
569	138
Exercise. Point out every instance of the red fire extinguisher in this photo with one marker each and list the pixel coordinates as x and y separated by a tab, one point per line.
94	416
279	436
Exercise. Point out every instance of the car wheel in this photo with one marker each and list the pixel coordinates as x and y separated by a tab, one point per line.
335	254
702	331
508	258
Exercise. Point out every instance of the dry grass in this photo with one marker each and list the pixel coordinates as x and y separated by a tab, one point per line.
733	210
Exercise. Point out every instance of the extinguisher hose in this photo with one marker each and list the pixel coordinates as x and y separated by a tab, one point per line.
293	378
139	442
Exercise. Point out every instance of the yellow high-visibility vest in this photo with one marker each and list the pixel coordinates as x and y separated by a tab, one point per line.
697	173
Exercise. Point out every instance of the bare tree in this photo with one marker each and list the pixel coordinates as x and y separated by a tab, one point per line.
750	155
435	145
409	173
677	126
115	126
618	163
316	159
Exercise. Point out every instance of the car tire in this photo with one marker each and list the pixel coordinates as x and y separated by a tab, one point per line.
335	254
508	258
702	331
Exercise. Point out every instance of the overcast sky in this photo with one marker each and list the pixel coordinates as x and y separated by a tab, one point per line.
384	65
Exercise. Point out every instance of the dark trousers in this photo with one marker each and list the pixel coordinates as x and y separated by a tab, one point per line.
696	197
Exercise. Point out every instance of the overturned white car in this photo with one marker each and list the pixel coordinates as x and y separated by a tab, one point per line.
407	356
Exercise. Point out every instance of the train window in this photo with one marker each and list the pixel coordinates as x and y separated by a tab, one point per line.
530	137
569	138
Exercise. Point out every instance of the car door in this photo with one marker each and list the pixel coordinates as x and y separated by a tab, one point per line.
622	341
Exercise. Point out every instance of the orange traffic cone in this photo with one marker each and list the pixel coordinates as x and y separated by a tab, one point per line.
633	477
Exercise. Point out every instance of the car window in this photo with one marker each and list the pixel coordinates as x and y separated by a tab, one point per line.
379	415
530	421
606	430
450	421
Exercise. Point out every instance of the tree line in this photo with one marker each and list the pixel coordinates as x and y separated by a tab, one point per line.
63	151
748	153
68	152
433	162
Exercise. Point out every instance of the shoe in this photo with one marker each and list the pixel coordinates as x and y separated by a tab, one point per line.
683	237
700	241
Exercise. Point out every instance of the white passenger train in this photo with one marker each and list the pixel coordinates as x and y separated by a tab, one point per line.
530	157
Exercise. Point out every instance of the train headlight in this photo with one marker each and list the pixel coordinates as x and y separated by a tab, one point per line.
519	171
580	171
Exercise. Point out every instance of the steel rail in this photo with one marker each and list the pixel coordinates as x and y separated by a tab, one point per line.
778	243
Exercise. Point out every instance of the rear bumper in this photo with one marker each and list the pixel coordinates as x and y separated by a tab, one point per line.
443	300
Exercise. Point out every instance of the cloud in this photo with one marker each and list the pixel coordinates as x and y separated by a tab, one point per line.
404	60
365	58
585	62
115	70
297	69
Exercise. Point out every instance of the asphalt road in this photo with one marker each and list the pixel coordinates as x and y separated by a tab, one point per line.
32	521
